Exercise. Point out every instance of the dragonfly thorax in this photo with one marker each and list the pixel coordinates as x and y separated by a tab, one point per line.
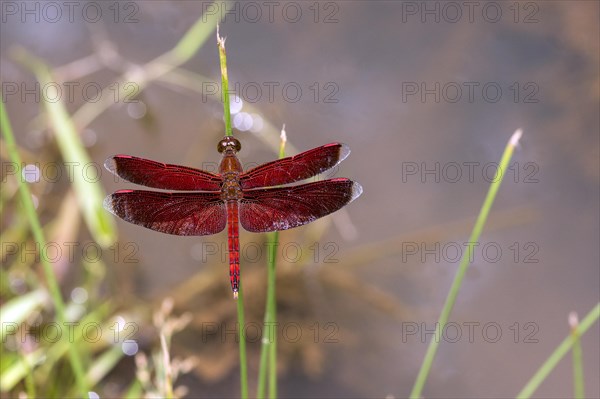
231	190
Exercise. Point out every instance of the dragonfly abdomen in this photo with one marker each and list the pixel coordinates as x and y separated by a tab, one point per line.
233	232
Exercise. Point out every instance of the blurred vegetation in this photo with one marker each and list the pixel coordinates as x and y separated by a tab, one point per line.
39	296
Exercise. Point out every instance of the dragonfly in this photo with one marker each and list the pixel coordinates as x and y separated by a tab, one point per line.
261	199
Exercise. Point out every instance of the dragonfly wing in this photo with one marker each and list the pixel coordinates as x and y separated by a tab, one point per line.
182	214
160	175
292	169
283	208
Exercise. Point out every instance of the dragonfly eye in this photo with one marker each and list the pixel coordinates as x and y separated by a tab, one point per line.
229	142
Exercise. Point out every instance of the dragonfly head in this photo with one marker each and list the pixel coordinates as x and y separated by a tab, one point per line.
229	143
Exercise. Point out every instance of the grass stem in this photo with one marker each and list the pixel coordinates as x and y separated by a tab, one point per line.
242	344
268	350
558	354
578	380
464	264
224	83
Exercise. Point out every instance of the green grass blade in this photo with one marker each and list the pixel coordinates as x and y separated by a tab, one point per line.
15	311
195	37
224	84
90	193
17	371
242	343
104	364
135	391
272	316
578	380
462	268
558	354
49	356
36	228
268	350
29	381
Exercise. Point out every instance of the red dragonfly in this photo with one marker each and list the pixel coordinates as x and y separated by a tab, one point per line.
210	201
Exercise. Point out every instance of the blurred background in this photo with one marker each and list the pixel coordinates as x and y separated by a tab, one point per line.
425	94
